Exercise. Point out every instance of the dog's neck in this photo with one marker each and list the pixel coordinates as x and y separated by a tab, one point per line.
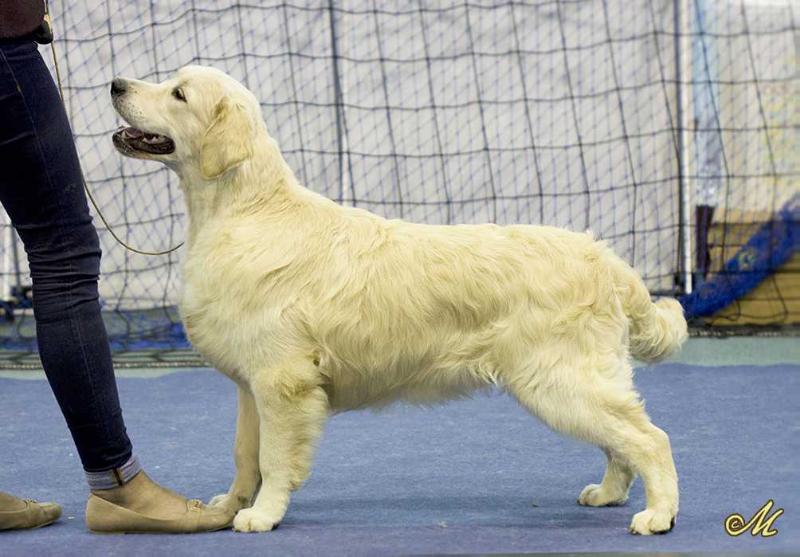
259	184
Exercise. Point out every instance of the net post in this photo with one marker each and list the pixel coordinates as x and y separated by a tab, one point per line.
683	71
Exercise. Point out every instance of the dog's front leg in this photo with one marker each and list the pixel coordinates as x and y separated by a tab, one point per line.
245	455
291	417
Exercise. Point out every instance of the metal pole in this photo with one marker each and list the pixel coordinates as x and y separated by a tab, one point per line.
683	73
338	99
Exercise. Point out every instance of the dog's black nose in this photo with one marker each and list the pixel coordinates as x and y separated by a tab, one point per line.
117	87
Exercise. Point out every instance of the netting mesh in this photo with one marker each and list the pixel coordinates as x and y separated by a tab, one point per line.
588	114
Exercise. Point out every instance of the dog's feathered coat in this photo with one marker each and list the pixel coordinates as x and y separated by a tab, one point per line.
314	308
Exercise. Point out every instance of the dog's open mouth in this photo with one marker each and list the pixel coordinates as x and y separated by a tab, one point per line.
133	140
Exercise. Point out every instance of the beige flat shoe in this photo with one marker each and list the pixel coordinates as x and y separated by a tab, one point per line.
33	515
103	517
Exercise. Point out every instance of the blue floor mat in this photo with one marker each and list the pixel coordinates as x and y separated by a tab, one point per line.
474	476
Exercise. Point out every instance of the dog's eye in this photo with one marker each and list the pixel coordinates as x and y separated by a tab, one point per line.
178	94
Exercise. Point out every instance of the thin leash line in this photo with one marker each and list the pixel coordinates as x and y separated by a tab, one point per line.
83	180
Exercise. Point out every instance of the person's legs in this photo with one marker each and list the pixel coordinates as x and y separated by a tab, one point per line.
41	188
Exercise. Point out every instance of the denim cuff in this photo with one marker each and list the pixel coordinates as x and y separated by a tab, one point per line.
109	479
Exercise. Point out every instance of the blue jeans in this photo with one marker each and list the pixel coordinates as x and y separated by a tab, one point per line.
41	189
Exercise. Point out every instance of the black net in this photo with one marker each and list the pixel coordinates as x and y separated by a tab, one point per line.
618	116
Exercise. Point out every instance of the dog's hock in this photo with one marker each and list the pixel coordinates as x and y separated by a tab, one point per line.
228	140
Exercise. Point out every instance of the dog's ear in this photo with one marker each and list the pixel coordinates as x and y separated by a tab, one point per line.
228	140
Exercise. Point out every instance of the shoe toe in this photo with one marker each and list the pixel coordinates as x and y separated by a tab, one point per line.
51	511
211	518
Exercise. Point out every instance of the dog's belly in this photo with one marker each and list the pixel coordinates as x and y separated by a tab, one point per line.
355	385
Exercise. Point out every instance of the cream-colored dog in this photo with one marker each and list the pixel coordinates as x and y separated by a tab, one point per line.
313	308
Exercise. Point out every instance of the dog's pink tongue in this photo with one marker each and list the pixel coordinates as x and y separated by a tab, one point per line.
134	132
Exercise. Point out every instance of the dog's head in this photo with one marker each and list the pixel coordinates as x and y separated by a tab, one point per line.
201	121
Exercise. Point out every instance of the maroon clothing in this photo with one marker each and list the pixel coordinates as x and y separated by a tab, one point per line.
20	18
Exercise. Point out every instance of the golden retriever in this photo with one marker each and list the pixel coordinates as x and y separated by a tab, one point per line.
314	308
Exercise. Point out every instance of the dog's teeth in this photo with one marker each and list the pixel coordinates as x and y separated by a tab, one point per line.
154	138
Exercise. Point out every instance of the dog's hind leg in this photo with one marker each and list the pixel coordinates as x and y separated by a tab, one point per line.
292	409
614	488
599	407
245	456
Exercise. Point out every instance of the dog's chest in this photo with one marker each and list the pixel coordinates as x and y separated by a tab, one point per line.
221	318
209	327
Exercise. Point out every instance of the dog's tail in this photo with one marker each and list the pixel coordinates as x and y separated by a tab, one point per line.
658	329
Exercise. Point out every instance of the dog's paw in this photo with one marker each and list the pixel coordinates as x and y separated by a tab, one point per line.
594	495
652	521
254	520
228	502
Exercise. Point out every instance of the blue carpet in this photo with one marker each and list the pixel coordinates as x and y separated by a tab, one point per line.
472	476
